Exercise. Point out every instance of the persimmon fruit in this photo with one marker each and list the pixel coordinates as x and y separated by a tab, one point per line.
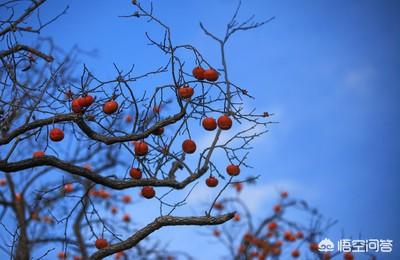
135	173
185	92
189	146
272	226
56	134
211	75
85	100
110	107
38	154
148	192
126	199
76	107
159	131
198	73
233	170
141	148
212	182
209	123
68	188
101	243
224	122
295	253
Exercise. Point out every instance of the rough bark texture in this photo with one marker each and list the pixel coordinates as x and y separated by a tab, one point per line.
157	224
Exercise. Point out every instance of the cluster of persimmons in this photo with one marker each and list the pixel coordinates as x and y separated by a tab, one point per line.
269	240
81	103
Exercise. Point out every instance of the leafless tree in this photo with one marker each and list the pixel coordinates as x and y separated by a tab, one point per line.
292	229
96	131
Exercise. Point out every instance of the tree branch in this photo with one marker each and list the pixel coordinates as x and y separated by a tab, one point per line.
95	177
157	224
21	47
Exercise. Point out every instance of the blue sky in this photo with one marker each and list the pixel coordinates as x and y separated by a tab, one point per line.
329	70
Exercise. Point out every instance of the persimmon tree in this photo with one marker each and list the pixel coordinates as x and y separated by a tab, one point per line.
76	148
292	229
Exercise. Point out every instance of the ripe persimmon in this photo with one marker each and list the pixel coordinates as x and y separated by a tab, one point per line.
198	73
218	206
211	75
313	247
126	217
287	235
104	194
217	232
224	122
141	148
277	208
119	255
110	107
148	192
295	253
299	234
348	256
276	251
101	243
209	123
68	188
238	186
76	107
56	134
189	146
126	199
212	182
272	225
284	194
326	256
85	100
233	170
135	173
186	92
158	131
62	255
128	118
38	154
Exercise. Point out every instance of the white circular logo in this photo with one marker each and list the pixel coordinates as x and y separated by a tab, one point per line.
326	245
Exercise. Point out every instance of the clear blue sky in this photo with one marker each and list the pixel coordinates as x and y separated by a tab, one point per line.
329	70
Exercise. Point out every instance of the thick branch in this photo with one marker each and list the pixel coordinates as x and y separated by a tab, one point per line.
157	224
21	47
131	137
89	131
95	177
